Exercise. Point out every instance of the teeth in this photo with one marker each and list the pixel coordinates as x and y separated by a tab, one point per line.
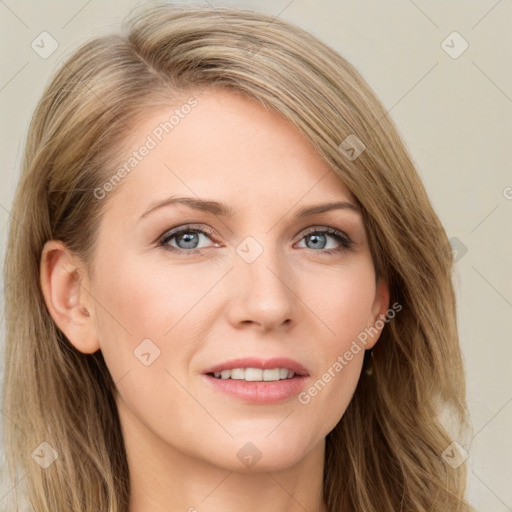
252	374
283	373
238	373
255	374
271	374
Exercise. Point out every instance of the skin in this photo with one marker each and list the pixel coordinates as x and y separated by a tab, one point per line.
294	300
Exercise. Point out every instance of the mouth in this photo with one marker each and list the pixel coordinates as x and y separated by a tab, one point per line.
258	381
256	369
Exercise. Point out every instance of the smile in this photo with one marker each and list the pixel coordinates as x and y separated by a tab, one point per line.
255	374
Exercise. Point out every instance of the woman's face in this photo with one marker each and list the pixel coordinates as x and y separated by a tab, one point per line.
263	283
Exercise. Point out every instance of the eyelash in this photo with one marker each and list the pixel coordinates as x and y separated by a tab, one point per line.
344	240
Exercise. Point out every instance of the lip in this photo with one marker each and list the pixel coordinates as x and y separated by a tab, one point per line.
264	364
259	392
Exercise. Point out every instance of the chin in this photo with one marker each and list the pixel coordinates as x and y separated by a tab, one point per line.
255	453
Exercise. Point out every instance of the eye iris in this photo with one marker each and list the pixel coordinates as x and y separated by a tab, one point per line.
317	236
189	237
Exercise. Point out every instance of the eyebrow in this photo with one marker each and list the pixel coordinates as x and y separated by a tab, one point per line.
224	211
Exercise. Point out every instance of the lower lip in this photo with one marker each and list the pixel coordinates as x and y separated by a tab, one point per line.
265	392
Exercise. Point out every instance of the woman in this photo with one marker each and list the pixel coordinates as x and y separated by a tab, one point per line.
229	287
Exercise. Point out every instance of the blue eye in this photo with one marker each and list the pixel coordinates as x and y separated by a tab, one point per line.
187	239
319	239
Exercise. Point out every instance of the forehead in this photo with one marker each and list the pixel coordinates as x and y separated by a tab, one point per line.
227	147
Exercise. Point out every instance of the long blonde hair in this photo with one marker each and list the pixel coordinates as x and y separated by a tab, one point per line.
385	453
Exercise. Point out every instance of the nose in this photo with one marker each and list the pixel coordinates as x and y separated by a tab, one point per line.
262	293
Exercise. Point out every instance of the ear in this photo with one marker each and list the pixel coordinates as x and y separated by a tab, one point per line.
64	282
376	320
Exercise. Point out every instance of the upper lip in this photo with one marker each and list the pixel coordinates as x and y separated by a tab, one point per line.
257	362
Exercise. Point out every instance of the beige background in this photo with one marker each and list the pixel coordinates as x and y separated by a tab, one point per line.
455	116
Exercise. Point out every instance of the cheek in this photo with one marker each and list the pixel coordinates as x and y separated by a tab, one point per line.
343	301
138	301
344	305
149	300
146	309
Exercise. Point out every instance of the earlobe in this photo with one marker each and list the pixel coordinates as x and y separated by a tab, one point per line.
62	277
